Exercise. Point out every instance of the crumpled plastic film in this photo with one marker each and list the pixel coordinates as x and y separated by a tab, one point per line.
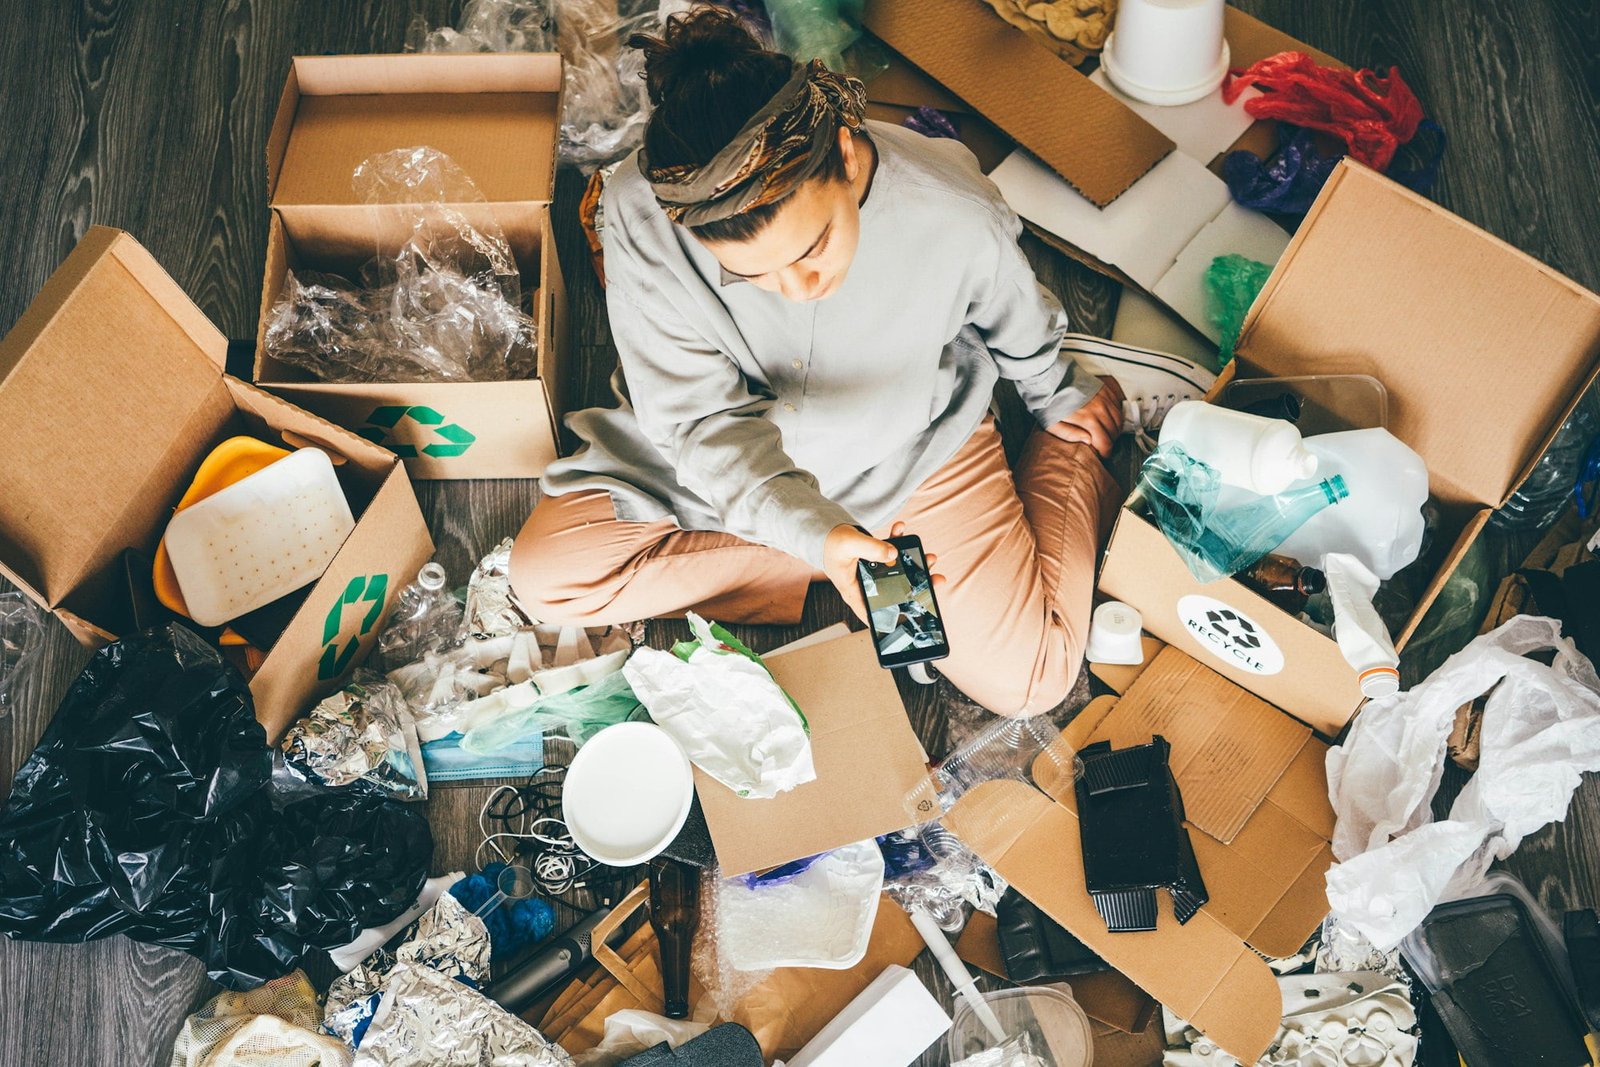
491	609
275	1025
150	808
426	1019
445	306
1540	733
22	626
362	732
1232	282
488	26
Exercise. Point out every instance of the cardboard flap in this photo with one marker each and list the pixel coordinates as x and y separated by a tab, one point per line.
112	350
1201	970
1084	134
1229	748
870	766
1463	330
494	115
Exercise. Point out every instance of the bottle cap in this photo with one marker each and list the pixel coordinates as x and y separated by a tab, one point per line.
1379	682
1114	634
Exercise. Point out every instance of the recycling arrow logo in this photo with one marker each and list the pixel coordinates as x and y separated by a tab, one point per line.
362	589
448	439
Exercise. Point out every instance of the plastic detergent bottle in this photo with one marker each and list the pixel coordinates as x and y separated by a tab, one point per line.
1237	537
1262	455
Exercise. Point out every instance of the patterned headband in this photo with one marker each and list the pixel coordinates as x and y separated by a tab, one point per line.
781	146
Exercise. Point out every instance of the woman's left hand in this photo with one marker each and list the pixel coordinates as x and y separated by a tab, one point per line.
1098	423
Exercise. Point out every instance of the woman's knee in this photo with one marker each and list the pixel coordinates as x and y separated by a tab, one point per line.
1028	686
553	575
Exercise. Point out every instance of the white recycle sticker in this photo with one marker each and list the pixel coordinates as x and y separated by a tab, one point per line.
1230	635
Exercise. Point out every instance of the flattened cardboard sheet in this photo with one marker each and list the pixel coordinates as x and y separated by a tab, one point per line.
868	762
1082	133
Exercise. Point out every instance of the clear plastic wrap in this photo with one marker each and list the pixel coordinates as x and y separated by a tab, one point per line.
22	624
488	26
446	306
1547	490
426	618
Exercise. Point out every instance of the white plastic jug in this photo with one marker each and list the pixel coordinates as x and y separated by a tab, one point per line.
1381	524
1265	456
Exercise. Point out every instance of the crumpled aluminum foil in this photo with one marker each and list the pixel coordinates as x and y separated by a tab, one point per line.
491	610
362	731
447	939
428	1020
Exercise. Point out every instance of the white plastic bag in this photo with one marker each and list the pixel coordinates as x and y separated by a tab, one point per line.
731	718
1541	731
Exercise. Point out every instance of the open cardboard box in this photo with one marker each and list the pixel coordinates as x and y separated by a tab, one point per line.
112	388
497	117
1256	797
1483	351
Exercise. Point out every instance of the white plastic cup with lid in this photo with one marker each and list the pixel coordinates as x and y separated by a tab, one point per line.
1167	52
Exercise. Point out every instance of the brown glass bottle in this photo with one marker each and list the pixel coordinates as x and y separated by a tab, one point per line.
1284	582
674	915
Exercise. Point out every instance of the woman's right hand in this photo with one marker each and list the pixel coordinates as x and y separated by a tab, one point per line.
844	546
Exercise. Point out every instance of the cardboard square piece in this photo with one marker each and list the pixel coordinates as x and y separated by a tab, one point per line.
869	763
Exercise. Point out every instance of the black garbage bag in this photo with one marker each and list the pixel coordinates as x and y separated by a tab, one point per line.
149	808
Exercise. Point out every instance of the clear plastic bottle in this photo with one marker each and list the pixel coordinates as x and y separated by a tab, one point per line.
425	619
1237	537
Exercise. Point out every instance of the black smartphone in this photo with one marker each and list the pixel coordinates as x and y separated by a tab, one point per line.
901	608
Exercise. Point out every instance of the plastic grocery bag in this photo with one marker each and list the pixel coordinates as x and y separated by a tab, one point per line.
151	808
1541	732
716	699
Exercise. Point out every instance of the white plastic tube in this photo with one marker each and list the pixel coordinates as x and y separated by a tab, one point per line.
957	972
1362	637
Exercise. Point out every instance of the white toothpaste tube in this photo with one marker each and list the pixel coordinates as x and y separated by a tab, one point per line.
1362	637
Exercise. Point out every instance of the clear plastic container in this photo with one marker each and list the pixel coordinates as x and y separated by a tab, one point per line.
1327	403
1059	1030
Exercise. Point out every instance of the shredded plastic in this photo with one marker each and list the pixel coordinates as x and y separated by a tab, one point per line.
1372	114
1232	282
22	625
444	306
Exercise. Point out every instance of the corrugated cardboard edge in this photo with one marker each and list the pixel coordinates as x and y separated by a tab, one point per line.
1102	150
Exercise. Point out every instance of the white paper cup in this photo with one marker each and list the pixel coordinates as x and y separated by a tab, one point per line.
627	793
1167	51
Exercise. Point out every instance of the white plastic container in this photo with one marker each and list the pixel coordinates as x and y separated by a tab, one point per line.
1260	455
1167	51
1381	522
1363	639
627	793
1115	635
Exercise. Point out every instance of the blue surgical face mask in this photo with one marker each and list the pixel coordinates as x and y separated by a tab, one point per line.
446	761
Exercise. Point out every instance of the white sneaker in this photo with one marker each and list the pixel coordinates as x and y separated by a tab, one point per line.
1152	382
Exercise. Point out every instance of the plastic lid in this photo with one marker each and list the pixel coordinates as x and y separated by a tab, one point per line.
1379	682
1047	1011
627	793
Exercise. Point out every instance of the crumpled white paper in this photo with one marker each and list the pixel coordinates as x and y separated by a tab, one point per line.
631	1031
1541	731
731	718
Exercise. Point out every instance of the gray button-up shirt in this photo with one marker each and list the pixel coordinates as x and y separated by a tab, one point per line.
776	421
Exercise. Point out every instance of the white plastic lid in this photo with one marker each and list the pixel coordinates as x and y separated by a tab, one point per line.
627	793
1379	682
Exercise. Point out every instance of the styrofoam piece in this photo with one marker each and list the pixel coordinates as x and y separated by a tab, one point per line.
1142	231
1144	323
1234	230
820	918
260	538
889	1024
627	793
1201	128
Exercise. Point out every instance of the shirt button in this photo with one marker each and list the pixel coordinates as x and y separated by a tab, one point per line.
797	364
788	406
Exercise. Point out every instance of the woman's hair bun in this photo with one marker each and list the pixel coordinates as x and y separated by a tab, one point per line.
696	51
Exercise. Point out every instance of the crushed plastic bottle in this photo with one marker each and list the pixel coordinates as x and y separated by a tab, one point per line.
426	618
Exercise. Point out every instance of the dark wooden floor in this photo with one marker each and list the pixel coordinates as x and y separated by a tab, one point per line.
151	115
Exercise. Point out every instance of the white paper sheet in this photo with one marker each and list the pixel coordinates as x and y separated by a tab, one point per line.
1201	129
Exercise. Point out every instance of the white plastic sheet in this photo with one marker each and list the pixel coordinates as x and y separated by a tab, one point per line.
1541	731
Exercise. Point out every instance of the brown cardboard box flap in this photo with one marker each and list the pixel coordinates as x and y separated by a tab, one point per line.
1082	133
1445	315
1201	970
111	352
869	764
495	115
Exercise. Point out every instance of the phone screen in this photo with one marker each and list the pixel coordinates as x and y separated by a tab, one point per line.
901	609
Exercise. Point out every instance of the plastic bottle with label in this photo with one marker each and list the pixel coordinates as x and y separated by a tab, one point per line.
1261	455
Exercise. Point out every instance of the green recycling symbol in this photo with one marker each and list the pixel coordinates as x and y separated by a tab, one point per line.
363	589
450	439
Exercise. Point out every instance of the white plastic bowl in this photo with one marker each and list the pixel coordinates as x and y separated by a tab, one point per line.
627	793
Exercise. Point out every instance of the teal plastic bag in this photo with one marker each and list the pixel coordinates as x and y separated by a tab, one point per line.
578	713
